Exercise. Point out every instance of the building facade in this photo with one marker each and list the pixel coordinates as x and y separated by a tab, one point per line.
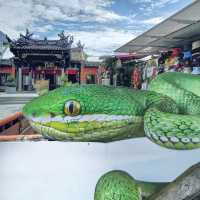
36	60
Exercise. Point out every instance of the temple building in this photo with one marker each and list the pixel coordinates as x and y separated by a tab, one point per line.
36	60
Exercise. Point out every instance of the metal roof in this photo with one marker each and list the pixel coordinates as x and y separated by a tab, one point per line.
178	30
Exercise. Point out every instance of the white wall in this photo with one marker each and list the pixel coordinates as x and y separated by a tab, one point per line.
69	171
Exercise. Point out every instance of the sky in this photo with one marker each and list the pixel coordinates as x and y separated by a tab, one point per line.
102	25
70	170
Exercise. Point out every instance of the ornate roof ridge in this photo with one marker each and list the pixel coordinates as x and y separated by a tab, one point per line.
26	41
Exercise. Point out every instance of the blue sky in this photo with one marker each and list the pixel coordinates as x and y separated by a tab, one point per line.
102	25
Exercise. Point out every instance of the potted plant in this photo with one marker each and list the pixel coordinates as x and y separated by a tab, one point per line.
10	84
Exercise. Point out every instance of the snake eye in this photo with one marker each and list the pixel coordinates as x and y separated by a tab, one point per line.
72	108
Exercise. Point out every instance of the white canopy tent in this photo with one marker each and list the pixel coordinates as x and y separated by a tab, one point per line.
179	30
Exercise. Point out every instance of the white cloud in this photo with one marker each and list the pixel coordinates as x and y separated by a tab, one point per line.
50	16
153	21
162	3
155	3
15	16
42	29
149	7
103	42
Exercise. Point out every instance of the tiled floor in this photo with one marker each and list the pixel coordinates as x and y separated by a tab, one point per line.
6	110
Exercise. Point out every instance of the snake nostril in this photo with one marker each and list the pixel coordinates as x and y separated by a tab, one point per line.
52	114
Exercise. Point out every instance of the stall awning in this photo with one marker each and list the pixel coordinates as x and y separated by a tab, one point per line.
179	30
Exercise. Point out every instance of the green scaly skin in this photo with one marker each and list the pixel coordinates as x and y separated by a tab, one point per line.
119	185
168	114
116	185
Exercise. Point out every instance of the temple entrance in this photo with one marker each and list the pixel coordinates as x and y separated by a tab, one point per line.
90	79
73	75
72	78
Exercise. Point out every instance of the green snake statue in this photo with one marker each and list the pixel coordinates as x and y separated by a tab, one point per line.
168	113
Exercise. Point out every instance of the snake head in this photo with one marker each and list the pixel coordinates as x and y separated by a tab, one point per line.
83	113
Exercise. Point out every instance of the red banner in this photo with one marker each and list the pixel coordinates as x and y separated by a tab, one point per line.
71	71
6	70
25	71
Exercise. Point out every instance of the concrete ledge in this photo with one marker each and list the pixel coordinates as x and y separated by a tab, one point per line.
185	187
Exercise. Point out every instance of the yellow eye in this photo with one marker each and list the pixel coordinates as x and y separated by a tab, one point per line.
72	108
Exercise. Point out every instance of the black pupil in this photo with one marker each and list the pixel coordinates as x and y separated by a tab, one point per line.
71	107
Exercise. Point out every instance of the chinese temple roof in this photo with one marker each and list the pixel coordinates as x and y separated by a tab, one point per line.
26	42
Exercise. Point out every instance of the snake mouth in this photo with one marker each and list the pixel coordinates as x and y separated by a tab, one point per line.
97	127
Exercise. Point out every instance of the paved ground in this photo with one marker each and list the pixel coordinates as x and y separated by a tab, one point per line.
6	110
10	103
